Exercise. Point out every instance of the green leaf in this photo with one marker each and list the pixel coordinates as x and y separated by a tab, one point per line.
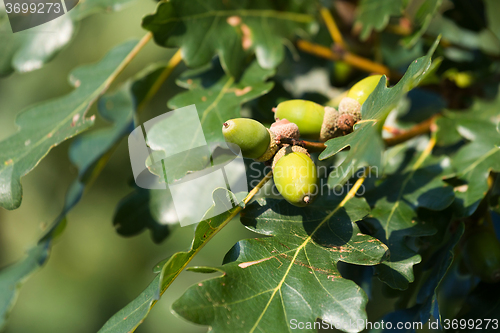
422	17
427	297
132	315
28	50
89	153
12	278
222	100
365	142
474	162
293	274
146	209
366	150
135	312
48	124
484	40
443	258
492	7
231	29
375	14
416	183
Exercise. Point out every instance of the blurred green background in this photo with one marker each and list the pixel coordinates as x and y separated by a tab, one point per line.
92	272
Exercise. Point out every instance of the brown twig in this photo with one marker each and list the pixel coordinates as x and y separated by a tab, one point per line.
316	147
332	27
354	60
313	147
172	64
421	128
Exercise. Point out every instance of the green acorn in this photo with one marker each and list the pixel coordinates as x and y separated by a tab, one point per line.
295	175
306	114
254	140
361	90
481	255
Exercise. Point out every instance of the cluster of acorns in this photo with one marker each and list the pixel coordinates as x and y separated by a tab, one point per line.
294	172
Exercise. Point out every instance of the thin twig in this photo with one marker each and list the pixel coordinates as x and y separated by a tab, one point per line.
256	189
316	147
144	40
309	145
332	28
421	128
172	64
364	64
193	252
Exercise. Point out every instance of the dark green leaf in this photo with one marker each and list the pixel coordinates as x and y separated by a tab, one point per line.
12	278
48	124
428	294
366	150
365	142
293	274
484	40
229	29
222	100
422	18
427	299
375	14
474	161
146	209
417	183
134	313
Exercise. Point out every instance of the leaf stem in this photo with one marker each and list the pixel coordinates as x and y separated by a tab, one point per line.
354	60
355	188
421	128
144	40
332	27
256	189
192	253
171	65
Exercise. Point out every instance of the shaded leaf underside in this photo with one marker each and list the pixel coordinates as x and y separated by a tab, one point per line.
290	275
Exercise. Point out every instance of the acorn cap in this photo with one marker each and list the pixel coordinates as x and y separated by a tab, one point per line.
330	124
271	149
350	106
284	128
287	150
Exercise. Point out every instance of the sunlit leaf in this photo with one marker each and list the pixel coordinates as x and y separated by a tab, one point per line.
365	142
46	125
268	281
233	30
